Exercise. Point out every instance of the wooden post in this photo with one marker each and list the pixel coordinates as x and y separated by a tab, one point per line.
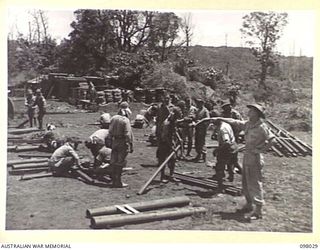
142	206
141	191
108	221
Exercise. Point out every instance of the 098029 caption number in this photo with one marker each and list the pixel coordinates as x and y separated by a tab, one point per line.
310	246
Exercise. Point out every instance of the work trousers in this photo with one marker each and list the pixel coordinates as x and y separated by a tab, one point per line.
224	159
31	114
120	150
200	140
61	166
252	178
163	151
41	114
187	137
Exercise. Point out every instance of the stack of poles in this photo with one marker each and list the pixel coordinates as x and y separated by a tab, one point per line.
286	144
23	166
145	211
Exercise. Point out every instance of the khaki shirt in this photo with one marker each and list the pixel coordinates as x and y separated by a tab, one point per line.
64	151
256	134
120	127
225	134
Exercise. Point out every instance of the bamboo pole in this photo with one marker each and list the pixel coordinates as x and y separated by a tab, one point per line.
30	165
27	170
24	161
35	176
108	221
23	130
27	148
142	206
141	191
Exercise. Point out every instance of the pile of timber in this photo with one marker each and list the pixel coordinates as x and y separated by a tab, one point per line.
287	144
28	166
142	212
206	183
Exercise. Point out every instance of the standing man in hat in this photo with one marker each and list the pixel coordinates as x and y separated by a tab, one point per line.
201	131
162	115
258	139
41	103
121	137
30	104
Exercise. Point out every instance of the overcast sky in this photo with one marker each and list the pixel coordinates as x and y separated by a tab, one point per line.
211	28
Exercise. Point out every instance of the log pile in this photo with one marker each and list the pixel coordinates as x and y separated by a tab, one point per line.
28	166
287	144
142	212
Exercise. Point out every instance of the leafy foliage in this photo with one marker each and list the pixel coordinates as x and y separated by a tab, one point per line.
262	31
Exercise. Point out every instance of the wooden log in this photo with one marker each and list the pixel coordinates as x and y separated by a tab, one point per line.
15	137
30	141
206	183
27	171
35	176
30	165
11	148
141	191
142	206
23	130
277	152
24	161
83	175
108	221
27	148
34	155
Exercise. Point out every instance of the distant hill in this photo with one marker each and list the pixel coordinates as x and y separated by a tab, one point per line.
242	65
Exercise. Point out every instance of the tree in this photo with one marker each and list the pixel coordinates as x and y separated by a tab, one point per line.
187	28
262	30
164	32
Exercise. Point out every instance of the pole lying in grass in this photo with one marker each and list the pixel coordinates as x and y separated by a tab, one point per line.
24	161
142	206
141	191
27	171
34	155
23	130
26	148
30	165
35	176
108	221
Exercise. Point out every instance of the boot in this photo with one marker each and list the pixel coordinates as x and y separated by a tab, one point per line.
163	177
204	156
40	123
256	214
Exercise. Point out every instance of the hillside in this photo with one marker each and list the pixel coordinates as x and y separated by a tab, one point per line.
243	65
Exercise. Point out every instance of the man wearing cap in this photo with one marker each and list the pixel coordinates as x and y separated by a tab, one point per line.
124	109
162	115
121	137
30	104
225	150
64	158
166	142
229	112
258	139
201	131
40	101
99	140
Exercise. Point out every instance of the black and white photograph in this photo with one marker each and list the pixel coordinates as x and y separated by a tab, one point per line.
160	119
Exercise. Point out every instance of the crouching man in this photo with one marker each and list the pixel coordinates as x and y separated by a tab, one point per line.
64	159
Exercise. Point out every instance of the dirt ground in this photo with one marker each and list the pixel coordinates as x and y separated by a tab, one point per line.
61	203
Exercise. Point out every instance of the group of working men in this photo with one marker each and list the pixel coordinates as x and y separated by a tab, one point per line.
109	146
36	107
182	121
177	125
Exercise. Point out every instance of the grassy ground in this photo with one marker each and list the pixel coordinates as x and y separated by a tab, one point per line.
61	203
